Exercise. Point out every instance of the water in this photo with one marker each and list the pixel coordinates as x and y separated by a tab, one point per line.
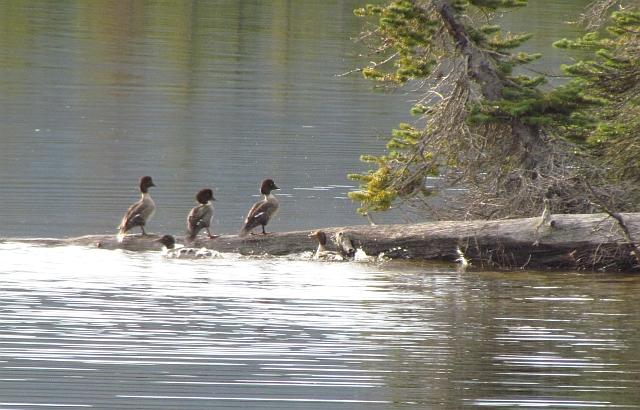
95	94
222	94
137	331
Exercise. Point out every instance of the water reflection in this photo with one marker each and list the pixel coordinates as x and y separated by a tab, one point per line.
95	94
137	330
195	94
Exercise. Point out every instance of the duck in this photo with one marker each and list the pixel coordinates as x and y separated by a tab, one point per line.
322	253
140	212
170	251
201	215
262	211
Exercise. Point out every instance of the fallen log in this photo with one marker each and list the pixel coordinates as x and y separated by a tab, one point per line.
578	241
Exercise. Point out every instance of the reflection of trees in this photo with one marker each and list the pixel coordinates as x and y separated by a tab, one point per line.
17	34
195	86
484	337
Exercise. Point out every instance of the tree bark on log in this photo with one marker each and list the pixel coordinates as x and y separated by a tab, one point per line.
576	241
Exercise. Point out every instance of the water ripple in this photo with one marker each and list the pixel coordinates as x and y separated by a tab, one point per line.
283	333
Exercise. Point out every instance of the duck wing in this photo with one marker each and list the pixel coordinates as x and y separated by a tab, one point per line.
259	214
138	214
199	217
133	217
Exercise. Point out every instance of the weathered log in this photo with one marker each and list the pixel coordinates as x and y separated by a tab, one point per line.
585	241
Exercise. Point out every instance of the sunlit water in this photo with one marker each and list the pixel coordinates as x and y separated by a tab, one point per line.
95	94
113	329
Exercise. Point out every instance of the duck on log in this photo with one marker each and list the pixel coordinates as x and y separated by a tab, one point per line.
561	241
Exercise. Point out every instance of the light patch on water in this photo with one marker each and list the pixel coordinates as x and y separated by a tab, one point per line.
547	403
93	327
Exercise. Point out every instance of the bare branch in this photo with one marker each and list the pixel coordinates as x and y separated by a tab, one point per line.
372	65
596	13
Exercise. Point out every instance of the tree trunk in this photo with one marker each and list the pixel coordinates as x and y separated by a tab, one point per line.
492	83
578	241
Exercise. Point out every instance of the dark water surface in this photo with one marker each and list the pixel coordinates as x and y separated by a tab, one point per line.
94	94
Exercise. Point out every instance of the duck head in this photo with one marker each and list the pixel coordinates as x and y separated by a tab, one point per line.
320	236
145	183
267	186
168	241
205	195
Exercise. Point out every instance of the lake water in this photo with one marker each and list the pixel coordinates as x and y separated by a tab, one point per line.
196	94
136	331
95	94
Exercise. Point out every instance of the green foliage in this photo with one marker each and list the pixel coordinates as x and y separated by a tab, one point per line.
405	25
379	194
625	23
525	101
611	82
419	109
408	29
506	42
574	110
400	173
489	29
599	108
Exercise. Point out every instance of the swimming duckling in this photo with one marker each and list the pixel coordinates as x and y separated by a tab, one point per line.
322	253
201	215
140	212
262	211
170	250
